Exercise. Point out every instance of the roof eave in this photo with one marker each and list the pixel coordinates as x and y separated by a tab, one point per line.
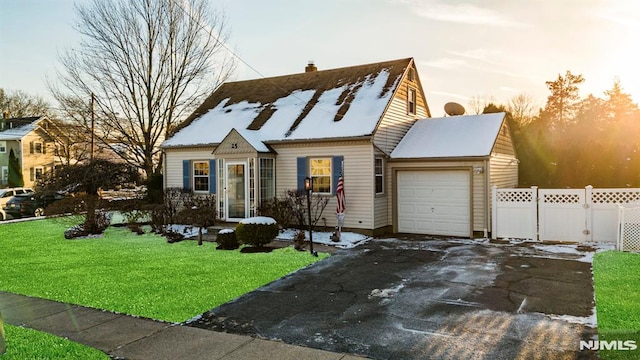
318	140
182	146
444	158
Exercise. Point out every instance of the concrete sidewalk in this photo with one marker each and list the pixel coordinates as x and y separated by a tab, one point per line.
127	337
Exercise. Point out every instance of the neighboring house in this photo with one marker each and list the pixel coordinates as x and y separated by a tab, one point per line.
32	140
253	140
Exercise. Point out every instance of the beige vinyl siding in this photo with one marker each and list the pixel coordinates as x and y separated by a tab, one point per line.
396	121
504	143
504	172
358	178
503	163
173	162
478	192
235	144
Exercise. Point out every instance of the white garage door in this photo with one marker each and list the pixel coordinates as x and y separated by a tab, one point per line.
434	202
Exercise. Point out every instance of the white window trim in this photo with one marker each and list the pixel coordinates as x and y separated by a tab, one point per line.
3	147
412	94
35	147
35	172
330	172
376	175
193	176
262	162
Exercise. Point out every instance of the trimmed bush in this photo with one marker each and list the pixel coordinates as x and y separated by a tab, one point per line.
257	231
226	240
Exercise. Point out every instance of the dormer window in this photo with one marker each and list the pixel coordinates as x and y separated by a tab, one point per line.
411	101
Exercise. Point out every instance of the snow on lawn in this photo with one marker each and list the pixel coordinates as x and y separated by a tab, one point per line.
187	231
348	240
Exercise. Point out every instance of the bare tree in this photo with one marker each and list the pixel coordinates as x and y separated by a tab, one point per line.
478	103
140	68
523	109
20	104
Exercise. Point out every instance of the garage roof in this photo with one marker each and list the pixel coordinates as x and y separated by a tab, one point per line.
453	136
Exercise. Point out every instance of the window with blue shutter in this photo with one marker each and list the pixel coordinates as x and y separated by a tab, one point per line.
302	172
324	172
212	176
186	174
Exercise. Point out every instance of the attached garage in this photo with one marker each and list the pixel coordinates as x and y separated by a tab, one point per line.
436	202
442	172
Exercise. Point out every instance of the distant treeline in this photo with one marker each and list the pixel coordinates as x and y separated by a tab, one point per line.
574	142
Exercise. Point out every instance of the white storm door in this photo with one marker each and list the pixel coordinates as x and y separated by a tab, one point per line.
236	190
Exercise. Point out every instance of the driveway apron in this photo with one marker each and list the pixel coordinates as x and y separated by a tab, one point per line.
436	299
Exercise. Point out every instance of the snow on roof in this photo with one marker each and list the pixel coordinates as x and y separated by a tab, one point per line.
253	139
22	127
345	102
454	136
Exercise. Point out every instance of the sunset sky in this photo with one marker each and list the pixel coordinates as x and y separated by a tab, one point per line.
489	49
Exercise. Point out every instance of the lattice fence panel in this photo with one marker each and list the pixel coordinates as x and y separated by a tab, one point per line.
514	196
630	228
561	199
615	196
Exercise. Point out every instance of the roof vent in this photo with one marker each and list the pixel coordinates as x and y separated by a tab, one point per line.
311	67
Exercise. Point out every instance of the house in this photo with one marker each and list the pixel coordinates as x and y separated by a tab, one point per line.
33	141
253	140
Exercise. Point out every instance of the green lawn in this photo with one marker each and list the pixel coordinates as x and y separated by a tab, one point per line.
617	286
25	343
132	274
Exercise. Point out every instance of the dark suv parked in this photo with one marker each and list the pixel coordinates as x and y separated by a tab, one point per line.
30	204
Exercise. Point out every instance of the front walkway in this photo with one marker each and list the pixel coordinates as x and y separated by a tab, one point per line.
122	336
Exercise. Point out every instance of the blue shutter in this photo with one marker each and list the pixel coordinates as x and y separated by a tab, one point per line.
212	176
336	171
302	172
186	174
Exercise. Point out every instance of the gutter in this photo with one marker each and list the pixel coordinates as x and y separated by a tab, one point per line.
442	159
320	140
487	213
279	142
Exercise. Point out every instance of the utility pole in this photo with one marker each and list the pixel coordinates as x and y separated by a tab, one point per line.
93	121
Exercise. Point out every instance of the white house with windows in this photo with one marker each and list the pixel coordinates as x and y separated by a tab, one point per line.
253	140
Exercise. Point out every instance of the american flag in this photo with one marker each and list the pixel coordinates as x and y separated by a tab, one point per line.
340	197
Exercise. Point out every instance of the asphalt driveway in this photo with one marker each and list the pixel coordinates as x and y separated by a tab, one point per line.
436	299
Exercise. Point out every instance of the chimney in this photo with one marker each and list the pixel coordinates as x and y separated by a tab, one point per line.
311	67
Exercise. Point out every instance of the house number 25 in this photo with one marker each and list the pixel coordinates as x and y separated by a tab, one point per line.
234	145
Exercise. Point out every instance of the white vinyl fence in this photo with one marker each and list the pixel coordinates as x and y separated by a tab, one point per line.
559	214
629	234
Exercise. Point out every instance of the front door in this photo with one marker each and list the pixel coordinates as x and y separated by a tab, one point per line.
236	198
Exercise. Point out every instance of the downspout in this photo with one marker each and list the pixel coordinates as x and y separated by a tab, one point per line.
487	183
164	171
